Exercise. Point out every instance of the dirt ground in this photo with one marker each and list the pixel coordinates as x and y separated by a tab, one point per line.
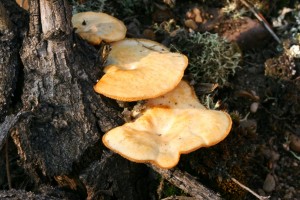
261	92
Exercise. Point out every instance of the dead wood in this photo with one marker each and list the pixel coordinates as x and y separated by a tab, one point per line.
58	77
187	183
44	193
9	60
22	194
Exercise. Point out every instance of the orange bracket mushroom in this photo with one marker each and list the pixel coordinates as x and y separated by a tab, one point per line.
168	128
139	69
96	26
183	96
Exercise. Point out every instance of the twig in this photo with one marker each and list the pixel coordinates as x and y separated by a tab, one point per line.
7	165
262	20
187	183
249	190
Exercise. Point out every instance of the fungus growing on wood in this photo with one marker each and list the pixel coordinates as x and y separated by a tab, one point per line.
139	69
183	96
96	26
168	128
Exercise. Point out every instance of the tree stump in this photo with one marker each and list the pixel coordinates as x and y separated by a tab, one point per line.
59	139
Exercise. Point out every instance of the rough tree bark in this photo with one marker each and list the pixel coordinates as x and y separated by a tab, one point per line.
9	60
58	128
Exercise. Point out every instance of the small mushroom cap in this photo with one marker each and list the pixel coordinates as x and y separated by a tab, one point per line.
182	97
139	69
96	26
160	135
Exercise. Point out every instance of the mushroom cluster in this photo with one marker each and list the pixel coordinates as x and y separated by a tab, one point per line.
174	122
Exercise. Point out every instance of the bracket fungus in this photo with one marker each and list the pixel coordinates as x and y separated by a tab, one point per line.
183	96
168	128
97	26
139	69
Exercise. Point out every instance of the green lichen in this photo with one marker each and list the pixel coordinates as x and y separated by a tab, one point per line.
211	58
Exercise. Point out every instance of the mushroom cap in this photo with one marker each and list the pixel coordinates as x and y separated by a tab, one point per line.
96	26
139	69
182	97
23	4
173	124
161	134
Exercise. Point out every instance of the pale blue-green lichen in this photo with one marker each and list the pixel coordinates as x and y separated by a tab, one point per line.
211	58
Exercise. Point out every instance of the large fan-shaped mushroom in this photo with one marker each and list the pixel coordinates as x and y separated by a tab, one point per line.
139	69
167	129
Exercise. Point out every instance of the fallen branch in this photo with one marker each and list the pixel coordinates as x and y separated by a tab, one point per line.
187	183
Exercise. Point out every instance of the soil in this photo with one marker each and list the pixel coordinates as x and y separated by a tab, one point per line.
262	151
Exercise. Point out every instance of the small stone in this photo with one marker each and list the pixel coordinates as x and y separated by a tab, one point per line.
274	156
295	143
254	107
295	164
269	184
